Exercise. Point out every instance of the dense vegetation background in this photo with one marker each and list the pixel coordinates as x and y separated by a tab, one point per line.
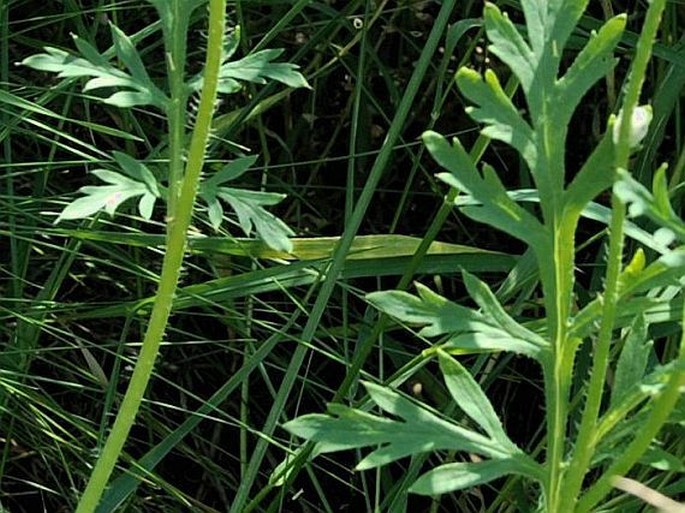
70	293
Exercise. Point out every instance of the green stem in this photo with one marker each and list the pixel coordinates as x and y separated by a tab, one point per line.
660	411
175	30
587	440
557	284
173	258
643	52
559	370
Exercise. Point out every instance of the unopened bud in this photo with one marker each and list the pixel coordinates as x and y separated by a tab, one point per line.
639	125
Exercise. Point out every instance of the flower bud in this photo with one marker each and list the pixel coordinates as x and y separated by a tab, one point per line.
639	125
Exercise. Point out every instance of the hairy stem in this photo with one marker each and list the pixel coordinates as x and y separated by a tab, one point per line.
587	440
171	268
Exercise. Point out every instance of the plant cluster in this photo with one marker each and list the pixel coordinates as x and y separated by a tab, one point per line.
301	327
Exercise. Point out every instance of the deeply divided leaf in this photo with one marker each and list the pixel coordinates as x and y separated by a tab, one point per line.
120	188
256	68
497	208
471	398
494	108
655	206
471	331
419	430
508	44
139	89
249	207
593	62
491	307
436	314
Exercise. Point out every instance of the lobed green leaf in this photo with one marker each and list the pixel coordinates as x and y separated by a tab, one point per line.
256	68
452	477
248	205
632	362
655	206
494	311
140	89
508	44
420	430
435	313
139	182
495	109
471	398
497	208
593	62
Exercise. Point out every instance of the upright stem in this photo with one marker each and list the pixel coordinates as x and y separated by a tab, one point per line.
559	371
175	29
586	441
173	258
557	283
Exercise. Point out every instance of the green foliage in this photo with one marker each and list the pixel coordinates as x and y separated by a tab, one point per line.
452	477
248	205
540	140
139	90
134	89
266	327
491	329
632	362
257	68
419	429
655	205
140	182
